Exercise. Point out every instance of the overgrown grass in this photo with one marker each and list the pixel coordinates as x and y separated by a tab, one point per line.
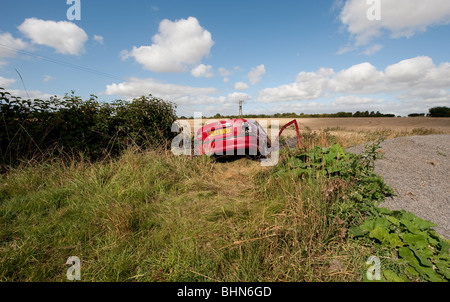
153	216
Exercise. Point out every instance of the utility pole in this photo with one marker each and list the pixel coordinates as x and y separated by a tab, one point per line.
240	108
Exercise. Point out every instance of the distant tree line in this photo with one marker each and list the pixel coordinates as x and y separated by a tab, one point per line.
302	115
433	112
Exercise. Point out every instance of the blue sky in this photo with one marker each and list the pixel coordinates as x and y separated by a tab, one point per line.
279	56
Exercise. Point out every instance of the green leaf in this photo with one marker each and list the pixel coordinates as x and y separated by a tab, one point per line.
422	255
426	272
395	241
445	246
393	220
424	224
385	211
411	271
408	216
419	241
368	225
444	268
357	232
382	223
391	276
410	225
379	233
336	148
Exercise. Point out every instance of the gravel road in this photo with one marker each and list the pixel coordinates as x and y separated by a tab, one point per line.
418	169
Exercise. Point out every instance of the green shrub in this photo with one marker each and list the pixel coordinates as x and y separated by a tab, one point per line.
70	125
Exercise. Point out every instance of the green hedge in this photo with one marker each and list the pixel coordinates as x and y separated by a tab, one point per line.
70	125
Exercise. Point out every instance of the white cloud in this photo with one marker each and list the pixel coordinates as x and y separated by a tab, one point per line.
359	78
409	71
241	86
373	49
410	81
203	71
235	97
177	45
181	95
65	37
345	49
31	94
226	80
11	46
401	18
224	72
356	100
4	82
256	74
48	78
308	86
99	39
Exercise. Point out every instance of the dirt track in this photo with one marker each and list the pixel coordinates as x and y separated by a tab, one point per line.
418	169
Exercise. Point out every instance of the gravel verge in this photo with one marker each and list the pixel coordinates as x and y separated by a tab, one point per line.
418	169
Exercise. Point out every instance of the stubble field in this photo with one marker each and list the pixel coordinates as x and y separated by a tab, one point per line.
354	131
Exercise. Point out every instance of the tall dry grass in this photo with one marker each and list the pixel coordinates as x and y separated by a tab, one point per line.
152	216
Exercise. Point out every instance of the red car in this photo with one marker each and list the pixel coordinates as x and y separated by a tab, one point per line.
236	137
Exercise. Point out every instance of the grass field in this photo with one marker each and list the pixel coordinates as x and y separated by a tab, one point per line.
153	216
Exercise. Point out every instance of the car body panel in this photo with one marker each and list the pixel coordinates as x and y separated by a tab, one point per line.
232	137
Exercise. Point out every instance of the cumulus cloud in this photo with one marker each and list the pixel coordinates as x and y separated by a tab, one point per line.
203	71
99	39
256	74
360	78
224	72
235	97
180	94
356	100
11	46
65	37
31	94
48	78
178	44
308	86
373	49
401	18
345	49
4	82
241	86
417	78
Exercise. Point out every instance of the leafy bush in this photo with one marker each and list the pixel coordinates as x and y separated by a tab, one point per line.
71	126
422	251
